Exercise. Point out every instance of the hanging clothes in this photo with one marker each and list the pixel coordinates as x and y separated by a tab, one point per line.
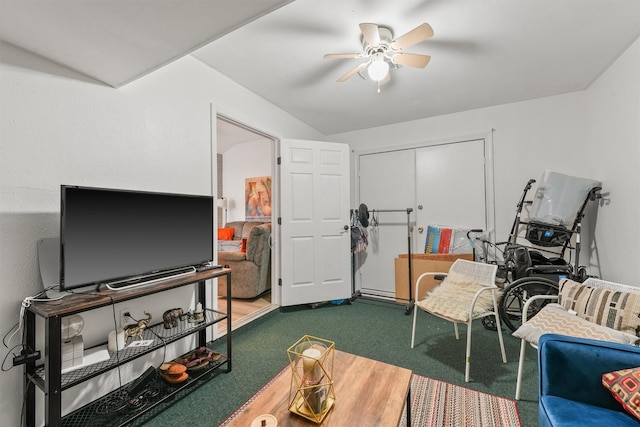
359	235
359	238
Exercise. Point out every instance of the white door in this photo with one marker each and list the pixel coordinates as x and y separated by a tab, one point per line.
315	234
450	187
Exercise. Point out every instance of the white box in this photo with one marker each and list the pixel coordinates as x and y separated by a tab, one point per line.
72	352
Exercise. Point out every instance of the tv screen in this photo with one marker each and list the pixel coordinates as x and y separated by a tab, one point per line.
109	235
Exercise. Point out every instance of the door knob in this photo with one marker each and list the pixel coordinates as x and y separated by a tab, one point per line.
420	230
346	227
420	207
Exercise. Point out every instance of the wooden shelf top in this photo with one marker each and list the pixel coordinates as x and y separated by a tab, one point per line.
76	303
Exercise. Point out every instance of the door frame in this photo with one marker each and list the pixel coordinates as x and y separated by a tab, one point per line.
212	297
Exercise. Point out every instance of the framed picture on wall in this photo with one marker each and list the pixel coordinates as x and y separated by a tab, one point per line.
258	198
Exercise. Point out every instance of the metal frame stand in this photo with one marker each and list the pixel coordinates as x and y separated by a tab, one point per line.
355	294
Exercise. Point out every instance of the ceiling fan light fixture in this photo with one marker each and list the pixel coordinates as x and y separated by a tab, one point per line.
379	68
384	53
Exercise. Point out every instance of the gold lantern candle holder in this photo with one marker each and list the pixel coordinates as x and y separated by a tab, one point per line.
311	394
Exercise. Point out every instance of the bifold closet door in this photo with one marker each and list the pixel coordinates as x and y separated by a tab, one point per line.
386	181
451	188
444	184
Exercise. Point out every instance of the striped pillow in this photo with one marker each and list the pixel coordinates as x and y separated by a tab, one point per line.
613	309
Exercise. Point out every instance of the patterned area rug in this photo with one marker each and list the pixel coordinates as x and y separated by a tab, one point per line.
439	404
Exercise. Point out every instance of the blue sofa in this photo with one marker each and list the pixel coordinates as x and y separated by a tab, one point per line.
570	381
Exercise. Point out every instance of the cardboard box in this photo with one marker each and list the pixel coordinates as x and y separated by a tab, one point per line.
421	263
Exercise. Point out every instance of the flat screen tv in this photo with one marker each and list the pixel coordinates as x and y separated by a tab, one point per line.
109	236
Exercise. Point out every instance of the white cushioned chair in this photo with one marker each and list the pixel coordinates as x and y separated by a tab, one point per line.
468	292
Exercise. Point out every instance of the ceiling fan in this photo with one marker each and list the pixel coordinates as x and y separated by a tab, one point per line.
384	53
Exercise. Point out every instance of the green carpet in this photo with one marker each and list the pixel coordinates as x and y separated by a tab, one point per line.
372	329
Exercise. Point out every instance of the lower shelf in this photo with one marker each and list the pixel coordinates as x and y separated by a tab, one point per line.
118	408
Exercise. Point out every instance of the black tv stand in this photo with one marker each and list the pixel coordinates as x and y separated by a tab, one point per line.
49	378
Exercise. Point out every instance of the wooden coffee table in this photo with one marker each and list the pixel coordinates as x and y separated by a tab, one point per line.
367	393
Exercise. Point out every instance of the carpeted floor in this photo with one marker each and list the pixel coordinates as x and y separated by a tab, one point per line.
372	329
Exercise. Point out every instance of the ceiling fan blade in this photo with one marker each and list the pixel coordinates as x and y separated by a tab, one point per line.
343	55
411	59
352	72
418	34
371	34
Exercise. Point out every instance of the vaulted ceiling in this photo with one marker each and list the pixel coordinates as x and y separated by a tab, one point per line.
483	52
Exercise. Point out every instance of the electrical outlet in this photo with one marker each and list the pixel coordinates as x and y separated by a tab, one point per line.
125	320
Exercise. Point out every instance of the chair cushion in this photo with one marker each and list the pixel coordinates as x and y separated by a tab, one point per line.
614	309
242	229
452	298
624	385
234	256
230	245
558	411
553	319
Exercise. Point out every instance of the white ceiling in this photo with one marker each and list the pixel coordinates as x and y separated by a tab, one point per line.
117	41
484	52
230	134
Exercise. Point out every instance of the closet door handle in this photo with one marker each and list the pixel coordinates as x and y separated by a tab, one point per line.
346	228
420	230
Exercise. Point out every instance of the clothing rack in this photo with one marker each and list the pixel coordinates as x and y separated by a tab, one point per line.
355	294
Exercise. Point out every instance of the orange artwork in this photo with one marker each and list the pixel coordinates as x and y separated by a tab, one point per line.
258	199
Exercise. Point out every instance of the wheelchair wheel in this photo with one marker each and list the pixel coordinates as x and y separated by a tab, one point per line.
516	295
489	323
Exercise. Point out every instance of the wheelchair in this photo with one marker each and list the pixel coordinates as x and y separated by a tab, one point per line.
544	248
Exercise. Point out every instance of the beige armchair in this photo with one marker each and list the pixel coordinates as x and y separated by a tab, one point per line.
250	270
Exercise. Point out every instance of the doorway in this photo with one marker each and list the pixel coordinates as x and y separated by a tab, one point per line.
241	153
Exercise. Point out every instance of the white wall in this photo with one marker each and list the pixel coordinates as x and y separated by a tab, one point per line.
57	126
613	154
247	160
592	133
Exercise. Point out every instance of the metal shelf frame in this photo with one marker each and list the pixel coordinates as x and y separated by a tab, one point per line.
48	376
